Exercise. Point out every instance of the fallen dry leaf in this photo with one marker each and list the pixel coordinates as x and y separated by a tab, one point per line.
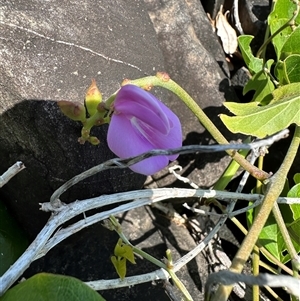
226	33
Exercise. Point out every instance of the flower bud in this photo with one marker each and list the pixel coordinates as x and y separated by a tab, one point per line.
92	98
73	109
93	140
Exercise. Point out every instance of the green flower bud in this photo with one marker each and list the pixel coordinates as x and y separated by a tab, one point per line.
93	140
73	109
92	98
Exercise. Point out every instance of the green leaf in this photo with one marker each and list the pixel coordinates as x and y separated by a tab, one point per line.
271	238
128	254
50	287
286	92
283	11
294	222
294	231
279	40
253	63
261	121
120	265
295	193
262	85
296	178
291	44
241	109
288	71
280	73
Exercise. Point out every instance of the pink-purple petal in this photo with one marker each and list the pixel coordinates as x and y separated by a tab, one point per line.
131	93
131	144
142	123
123	140
156	119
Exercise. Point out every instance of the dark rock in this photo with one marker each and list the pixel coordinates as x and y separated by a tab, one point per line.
49	53
195	59
212	7
146	229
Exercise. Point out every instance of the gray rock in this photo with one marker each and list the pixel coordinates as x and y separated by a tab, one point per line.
193	58
50	52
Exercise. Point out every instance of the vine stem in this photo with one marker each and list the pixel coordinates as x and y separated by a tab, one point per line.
285	234
274	188
255	254
163	80
168	267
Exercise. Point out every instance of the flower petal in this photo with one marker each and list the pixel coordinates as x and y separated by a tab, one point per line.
134	101
123	140
157	139
174	139
140	123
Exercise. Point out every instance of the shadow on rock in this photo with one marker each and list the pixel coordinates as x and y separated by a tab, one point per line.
38	134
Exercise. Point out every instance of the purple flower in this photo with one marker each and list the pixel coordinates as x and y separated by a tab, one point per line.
140	123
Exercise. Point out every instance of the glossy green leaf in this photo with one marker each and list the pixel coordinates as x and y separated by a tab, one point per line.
253	63
279	40
271	237
294	226
283	9
292	44
261	121
120	265
282	12
261	84
50	287
295	193
288	71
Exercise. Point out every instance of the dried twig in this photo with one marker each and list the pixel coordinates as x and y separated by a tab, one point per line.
229	278
124	163
63	212
236	17
43	243
11	172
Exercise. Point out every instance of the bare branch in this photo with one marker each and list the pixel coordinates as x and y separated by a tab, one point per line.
43	243
100	285
229	278
11	172
236	17
124	163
